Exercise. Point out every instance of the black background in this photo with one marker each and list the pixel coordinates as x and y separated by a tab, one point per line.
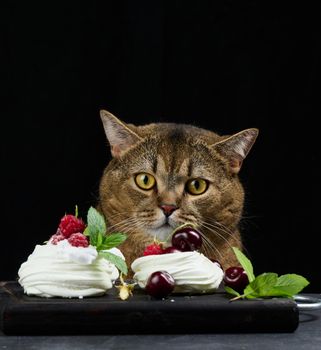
222	65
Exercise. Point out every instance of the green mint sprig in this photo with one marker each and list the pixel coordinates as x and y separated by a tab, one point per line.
96	230
268	284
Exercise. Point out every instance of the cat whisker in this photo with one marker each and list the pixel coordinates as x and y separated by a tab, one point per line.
188	218
250	217
217	225
220	225
217	233
128	224
122	223
209	247
113	216
133	225
132	229
128	220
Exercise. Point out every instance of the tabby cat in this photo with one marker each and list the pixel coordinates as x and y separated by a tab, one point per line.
163	175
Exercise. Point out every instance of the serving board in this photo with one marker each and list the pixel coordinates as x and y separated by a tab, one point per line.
141	314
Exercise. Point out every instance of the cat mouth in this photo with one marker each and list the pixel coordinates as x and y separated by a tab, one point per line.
164	230
168	223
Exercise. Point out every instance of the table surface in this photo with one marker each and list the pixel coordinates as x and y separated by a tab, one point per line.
307	337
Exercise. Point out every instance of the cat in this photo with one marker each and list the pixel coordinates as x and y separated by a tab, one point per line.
163	175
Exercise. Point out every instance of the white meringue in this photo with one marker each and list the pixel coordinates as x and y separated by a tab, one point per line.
192	271
66	271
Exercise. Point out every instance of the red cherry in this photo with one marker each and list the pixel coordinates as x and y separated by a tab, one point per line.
160	284
170	250
236	278
187	239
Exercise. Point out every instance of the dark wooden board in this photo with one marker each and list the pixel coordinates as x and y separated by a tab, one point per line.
141	314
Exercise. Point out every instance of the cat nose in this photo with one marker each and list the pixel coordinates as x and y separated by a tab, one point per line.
168	209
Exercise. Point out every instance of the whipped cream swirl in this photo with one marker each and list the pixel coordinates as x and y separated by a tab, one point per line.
192	271
66	271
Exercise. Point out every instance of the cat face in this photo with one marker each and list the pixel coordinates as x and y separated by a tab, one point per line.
164	175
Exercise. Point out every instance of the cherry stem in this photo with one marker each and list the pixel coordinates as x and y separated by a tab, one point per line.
157	241
236	298
188	224
76	211
240	297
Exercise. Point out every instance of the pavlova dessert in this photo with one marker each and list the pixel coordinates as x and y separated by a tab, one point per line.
77	261
177	268
82	260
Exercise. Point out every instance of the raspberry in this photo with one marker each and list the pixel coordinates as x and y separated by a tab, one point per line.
153	249
69	224
78	240
57	237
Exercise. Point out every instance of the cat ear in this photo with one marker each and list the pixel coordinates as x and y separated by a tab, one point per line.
120	137
236	147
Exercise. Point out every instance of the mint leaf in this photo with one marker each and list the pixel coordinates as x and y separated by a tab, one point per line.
112	240
290	284
270	285
267	284
99	242
116	260
87	231
96	230
96	227
245	263
250	293
232	291
96	220
263	284
93	238
93	234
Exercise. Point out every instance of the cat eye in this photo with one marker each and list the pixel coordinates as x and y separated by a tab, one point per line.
196	186
145	181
